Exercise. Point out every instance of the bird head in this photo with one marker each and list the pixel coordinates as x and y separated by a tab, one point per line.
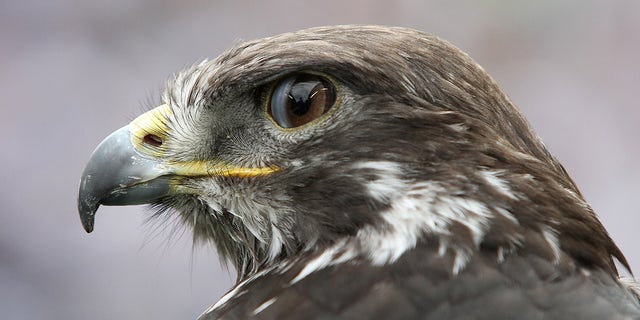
375	138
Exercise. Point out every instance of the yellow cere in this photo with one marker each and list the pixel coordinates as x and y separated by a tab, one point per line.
152	122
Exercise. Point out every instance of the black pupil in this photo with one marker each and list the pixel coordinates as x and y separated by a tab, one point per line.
301	95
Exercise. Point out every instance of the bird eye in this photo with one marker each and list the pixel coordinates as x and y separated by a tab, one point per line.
300	99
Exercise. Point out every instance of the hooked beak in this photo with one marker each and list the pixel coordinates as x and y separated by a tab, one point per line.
130	167
117	174
125	169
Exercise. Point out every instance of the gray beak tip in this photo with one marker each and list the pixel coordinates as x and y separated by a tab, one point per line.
88	224
87	210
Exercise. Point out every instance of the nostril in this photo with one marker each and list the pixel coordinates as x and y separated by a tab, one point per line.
152	139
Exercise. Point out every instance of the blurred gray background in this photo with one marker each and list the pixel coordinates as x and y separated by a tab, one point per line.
73	71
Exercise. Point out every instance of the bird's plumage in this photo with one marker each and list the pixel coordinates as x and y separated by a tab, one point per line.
417	191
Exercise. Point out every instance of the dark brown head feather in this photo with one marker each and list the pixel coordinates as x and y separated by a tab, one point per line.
415	100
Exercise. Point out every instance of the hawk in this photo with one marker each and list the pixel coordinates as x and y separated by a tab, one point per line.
364	172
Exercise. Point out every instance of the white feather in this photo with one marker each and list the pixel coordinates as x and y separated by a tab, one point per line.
425	208
551	238
492	177
236	291
320	262
264	305
388	183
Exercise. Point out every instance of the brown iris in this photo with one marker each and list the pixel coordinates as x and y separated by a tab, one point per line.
300	99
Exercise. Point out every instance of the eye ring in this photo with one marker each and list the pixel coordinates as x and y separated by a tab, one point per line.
299	99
